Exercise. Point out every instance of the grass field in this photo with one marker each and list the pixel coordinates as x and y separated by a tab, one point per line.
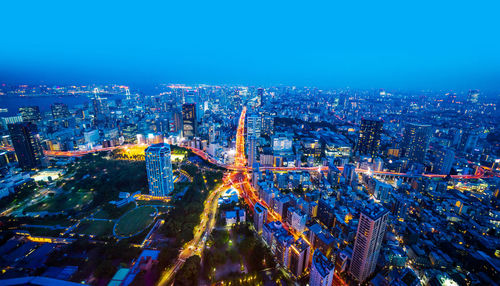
135	221
95	227
70	200
114	212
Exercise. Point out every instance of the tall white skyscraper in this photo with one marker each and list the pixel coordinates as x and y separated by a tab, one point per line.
159	169
321	270
371	231
254	124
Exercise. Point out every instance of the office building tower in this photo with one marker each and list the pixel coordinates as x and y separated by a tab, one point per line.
252	151
10	120
349	173
260	95
176	123
59	110
416	139
371	230
129	133
322	270
159	169
26	142
443	160
254	125
326	212
189	121
260	216
100	108
299	257
369	137
267	124
30	114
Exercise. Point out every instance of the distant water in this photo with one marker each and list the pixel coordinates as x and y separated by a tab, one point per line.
43	102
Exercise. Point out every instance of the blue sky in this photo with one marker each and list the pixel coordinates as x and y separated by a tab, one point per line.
366	44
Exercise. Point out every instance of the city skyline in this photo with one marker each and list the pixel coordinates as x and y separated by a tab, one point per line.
301	143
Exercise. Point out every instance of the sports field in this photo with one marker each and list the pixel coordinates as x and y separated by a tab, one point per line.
135	221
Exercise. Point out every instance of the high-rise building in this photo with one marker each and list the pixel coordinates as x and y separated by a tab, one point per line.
443	160
159	169
326	212
252	151
349	173
129	133
254	125
322	270
371	230
416	139
260	216
59	110
299	257
369	137
30	114
26	142
260	95
189	121
10	120
267	124
100	108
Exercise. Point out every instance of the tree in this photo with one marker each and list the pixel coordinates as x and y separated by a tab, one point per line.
188	274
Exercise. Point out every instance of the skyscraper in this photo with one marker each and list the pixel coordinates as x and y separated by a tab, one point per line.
254	125
371	231
59	110
26	142
322	270
189	122
260	95
369	137
159	169
267	124
416	139
30	114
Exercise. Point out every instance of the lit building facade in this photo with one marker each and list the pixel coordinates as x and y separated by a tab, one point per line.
30	114
322	270
159	169
59	110
189	121
26	142
416	141
371	230
369	137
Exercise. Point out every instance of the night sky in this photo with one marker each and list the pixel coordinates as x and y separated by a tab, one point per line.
362	44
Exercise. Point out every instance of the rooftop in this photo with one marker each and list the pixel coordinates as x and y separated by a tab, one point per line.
374	211
322	264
